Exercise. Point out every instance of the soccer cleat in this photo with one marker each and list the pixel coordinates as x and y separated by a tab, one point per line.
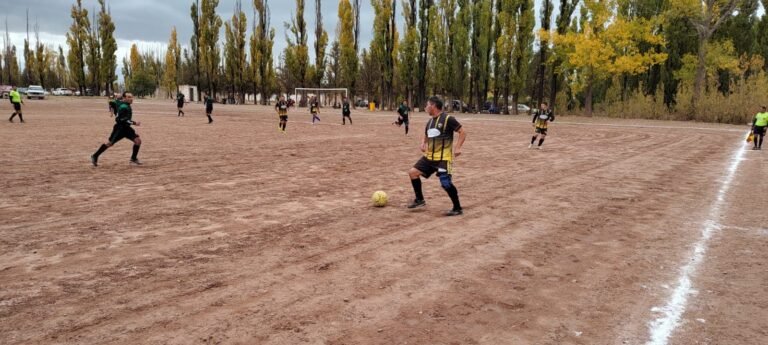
417	203
94	160
540	147
530	146
452	213
136	162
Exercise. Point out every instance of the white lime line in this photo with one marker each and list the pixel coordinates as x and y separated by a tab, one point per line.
662	327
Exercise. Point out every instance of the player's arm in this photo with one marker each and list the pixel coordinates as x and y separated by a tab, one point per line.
423	145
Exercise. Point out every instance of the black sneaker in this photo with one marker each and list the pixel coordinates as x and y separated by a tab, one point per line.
94	160
417	203
452	213
135	162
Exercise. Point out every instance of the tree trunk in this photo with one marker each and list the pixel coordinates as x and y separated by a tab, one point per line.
700	75
588	98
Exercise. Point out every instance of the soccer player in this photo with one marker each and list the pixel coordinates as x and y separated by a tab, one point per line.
122	129
402	118
541	118
439	152
208	100
114	104
759	125
282	113
16	100
345	112
180	103
314	108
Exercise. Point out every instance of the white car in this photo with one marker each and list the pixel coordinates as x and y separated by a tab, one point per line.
521	109
62	92
35	91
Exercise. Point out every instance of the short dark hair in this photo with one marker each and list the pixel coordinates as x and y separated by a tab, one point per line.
436	101
125	93
545	103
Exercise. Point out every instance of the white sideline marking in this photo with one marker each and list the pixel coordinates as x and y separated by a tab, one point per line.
661	328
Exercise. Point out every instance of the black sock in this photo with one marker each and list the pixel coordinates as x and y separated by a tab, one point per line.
209	118
12	116
101	150
416	183
350	120
406	129
761	141
135	154
533	140
541	141
453	193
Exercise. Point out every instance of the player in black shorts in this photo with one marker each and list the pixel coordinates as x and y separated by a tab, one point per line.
345	112
439	152
314	108
402	119
282	113
122	129
180	103
208	106
541	119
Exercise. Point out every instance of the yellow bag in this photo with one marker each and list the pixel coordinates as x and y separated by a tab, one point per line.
750	137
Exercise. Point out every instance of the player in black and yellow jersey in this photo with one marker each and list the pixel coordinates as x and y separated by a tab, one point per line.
439	152
314	108
121	130
345	112
541	119
282	113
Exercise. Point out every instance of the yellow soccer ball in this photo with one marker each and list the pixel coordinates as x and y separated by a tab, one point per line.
379	199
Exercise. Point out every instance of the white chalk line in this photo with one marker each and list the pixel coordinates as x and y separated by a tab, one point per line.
661	328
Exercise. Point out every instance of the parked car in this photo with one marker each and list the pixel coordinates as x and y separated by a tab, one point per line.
361	103
35	91
521	109
22	90
5	90
62	92
459	106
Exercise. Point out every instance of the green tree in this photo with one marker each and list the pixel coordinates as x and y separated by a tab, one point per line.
172	62
382	49
262	72
408	52
235	50
210	54
77	39
108	48
348	60
321	42
93	57
194	42
296	54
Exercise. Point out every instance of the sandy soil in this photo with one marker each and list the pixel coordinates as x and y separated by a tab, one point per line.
234	233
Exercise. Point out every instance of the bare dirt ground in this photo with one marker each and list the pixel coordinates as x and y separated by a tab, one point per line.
234	233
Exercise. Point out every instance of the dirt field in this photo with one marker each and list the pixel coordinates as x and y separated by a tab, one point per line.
234	233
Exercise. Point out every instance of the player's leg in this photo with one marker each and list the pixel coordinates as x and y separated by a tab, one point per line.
447	184
136	146
543	136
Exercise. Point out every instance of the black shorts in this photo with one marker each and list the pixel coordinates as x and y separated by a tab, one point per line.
346	114
16	106
542	131
283	117
180	105
208	110
405	120
428	167
759	130
121	131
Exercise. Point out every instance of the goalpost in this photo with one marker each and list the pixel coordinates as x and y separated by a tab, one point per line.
325	96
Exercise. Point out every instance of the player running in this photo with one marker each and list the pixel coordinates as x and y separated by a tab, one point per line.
314	108
122	129
282	113
402	119
759	125
541	119
180	103
16	100
345	112
439	152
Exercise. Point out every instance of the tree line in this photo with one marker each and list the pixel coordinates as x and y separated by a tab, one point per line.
675	59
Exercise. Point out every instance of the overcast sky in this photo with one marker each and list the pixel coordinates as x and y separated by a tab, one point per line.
148	23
